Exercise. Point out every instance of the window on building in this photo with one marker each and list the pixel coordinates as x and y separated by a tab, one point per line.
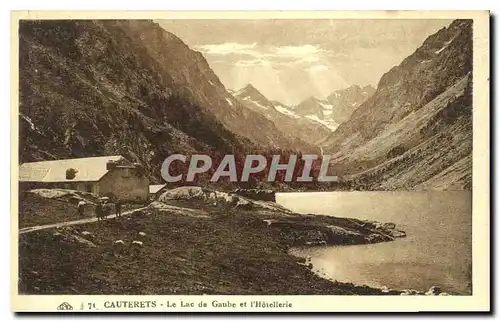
88	187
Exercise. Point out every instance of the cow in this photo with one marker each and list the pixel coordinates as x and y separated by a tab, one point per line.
99	211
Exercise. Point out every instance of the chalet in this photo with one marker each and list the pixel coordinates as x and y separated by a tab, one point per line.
111	176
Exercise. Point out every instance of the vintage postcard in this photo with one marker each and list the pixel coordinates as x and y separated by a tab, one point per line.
250	161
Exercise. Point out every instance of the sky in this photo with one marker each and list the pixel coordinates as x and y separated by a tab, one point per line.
291	60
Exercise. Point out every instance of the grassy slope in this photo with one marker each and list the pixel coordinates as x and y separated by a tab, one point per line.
227	251
35	210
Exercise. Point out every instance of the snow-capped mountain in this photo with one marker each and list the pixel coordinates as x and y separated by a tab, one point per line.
307	128
336	108
345	101
253	99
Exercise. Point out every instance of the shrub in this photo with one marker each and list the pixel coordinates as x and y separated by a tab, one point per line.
396	151
71	173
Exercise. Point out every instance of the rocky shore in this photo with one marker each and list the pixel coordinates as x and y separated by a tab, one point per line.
294	229
193	240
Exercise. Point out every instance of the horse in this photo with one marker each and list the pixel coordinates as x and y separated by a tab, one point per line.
99	212
102	210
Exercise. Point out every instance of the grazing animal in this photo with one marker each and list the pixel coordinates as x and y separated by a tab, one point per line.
107	210
134	248
118	208
81	208
99	211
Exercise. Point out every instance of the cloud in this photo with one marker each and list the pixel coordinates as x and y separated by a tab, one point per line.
297	51
317	68
253	54
253	63
291	59
227	48
302	70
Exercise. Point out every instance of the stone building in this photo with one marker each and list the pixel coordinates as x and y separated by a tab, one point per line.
110	176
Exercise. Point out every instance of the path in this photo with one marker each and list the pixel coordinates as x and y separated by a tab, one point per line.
71	223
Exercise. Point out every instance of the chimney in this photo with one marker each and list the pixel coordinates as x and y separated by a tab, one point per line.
110	165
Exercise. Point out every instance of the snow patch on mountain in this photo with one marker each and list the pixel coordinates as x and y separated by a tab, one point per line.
331	124
327	112
446	44
254	102
27	119
286	111
326	106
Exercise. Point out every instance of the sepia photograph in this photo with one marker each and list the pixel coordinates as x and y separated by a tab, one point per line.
247	156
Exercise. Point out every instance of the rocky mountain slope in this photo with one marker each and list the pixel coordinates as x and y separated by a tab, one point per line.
415	132
282	116
345	101
336	108
91	88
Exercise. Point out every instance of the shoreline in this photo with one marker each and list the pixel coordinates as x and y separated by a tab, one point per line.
253	235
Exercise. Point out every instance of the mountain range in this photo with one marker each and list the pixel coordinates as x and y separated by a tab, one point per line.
129	87
313	119
283	116
337	107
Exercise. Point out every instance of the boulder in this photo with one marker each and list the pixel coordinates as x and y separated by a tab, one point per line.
243	204
182	193
257	194
389	226
375	238
82	241
384	289
87	234
410	292
434	290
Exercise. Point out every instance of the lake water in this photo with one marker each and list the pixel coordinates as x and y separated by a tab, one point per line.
436	251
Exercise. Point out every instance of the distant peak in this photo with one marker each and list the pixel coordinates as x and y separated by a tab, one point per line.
369	88
248	87
310	99
248	90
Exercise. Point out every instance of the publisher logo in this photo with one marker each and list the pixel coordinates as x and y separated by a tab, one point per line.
64	307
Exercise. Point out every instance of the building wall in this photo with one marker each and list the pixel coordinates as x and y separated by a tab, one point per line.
125	184
81	186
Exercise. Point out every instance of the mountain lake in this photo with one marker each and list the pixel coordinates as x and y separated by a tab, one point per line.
436	252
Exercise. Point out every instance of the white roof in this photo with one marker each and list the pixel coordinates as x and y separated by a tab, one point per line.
155	188
89	169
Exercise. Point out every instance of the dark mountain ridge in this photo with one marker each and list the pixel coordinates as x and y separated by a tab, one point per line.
415	132
442	60
129	87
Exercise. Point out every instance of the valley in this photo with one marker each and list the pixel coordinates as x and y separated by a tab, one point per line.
90	88
103	104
